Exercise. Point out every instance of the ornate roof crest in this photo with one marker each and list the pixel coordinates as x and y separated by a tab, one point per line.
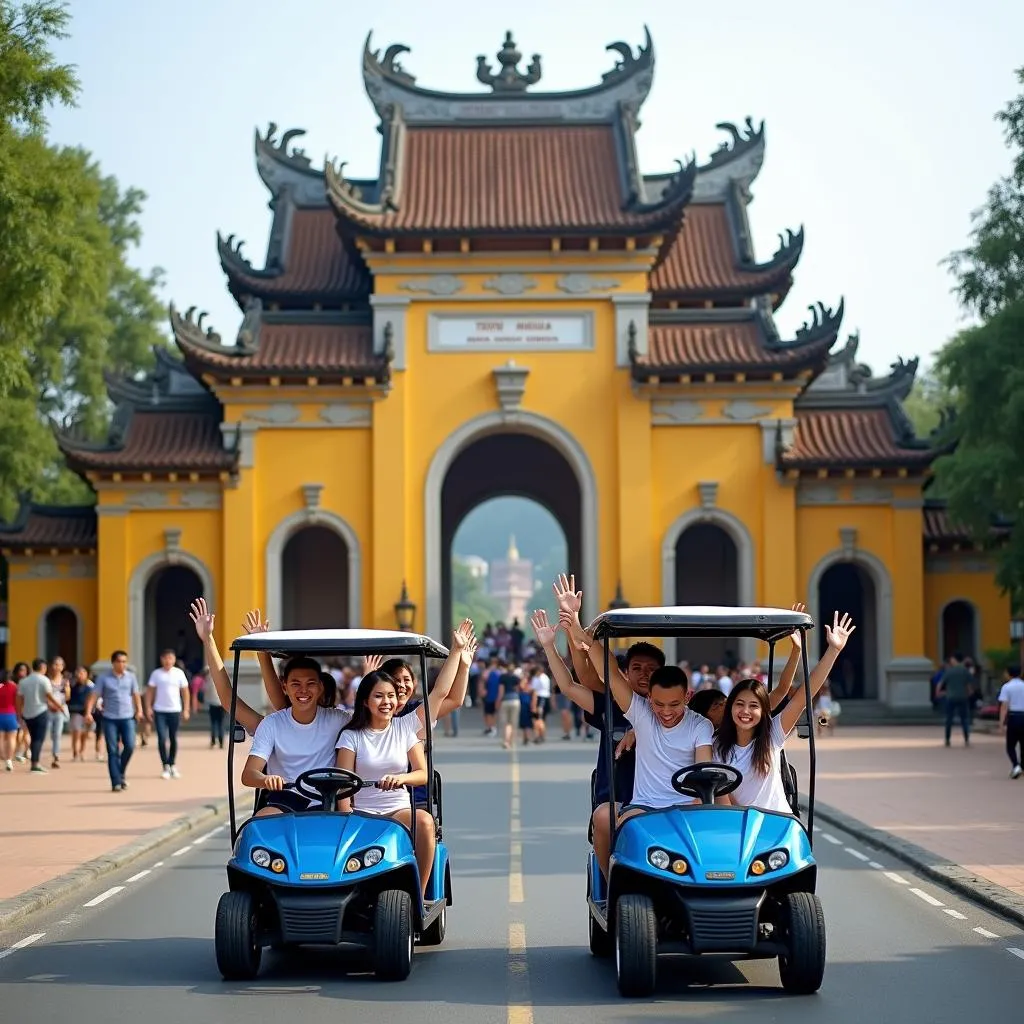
510	78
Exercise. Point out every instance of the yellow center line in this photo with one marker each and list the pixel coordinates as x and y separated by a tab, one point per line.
515	861
520	1004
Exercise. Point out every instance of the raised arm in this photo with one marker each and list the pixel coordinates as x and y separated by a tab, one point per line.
545	634
461	636
570	600
253	623
457	697
203	619
779	693
837	635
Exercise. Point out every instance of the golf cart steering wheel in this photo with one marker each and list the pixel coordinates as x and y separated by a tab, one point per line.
328	785
706	780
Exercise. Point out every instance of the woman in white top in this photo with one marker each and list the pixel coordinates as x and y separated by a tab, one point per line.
387	750
297	739
751	739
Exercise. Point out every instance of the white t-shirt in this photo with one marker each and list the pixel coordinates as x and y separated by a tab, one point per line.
291	748
168	684
541	685
724	683
379	753
661	752
764	792
1012	693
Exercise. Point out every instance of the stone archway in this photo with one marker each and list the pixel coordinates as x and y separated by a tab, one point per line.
169	592
575	475
60	632
741	588
959	629
144	634
314	580
279	539
858	583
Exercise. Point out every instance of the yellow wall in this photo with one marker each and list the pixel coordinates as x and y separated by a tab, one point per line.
30	599
991	607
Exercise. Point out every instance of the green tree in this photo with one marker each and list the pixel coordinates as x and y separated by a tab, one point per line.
926	404
71	306
470	600
983	366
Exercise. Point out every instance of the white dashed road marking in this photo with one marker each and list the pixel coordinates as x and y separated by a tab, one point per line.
874	864
184	849
1015	951
954	913
922	895
140	874
856	853
21	944
97	900
829	838
893	877
209	835
986	933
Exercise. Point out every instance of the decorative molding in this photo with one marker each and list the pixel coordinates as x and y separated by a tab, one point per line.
279	414
347	414
389	316
586	284
510	381
533	330
244	436
521	422
80	567
311	496
103	511
200	497
404	264
848	539
172	540
916	501
632	319
745	567
953	563
870	494
436	284
670	412
708	491
817	494
148	500
740	409
510	284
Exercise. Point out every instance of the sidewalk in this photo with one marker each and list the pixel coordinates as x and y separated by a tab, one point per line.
957	803
53	823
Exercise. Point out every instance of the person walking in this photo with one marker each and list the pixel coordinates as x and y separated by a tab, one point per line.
211	698
1011	718
8	719
78	694
168	701
956	687
122	708
55	720
34	700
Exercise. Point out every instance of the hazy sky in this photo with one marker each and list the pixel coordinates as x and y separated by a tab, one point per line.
881	138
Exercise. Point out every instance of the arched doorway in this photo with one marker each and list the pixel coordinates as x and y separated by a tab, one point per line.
60	635
707	572
519	465
959	630
847	587
167	626
315	580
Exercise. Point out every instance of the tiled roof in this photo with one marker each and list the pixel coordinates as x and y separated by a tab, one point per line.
939	527
736	345
703	260
157	440
849	437
316	263
292	349
472	180
65	527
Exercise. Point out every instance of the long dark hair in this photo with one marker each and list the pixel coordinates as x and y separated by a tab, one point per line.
361	715
727	733
704	700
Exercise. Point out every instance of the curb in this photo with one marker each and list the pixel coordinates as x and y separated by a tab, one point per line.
43	895
996	898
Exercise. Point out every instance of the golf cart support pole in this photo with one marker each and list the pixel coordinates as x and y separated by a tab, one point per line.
771	665
231	750
809	712
609	752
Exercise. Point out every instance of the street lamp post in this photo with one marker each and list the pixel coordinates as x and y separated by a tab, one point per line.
405	611
617	603
1017	634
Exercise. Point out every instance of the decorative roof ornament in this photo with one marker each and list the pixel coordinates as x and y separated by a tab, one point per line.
629	63
297	156
510	79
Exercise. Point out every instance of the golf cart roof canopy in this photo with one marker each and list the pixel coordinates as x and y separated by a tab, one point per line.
351	642
767	624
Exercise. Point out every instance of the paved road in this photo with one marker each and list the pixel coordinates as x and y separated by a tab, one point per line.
899	948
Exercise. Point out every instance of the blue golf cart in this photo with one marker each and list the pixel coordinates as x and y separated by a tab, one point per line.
698	879
322	877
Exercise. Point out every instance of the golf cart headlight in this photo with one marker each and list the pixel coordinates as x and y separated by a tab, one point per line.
353	864
277	865
758	867
777	859
373	856
679	866
659	859
261	858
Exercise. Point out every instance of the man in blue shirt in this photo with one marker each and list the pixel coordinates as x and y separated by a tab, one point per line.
122	708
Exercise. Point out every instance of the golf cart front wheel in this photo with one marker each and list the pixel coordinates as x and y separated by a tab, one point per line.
392	930
802	968
236	937
636	945
600	940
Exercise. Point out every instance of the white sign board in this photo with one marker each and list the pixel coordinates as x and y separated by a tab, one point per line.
451	332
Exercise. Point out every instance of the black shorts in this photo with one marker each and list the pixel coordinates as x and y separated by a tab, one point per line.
543	707
490	707
290	800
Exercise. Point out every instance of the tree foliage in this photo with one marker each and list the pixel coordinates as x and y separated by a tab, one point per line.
71	306
983	366
470	600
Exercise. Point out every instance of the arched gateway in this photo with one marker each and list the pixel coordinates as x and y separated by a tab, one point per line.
511	305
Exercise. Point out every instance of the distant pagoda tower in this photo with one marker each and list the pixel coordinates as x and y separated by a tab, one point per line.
512	583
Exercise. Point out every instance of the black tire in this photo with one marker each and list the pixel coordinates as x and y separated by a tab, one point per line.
392	931
803	967
435	932
636	945
237	937
600	940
